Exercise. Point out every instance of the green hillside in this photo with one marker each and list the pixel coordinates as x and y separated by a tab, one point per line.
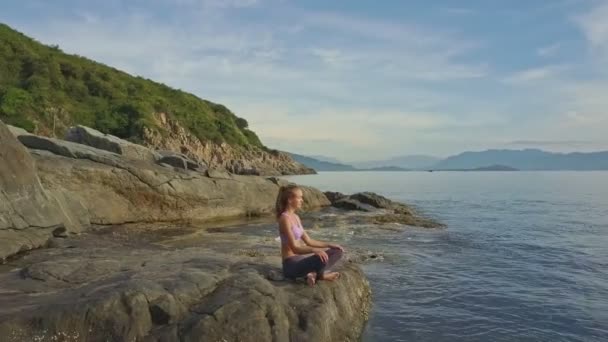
45	90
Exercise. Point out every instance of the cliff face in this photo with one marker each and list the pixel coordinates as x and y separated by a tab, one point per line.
250	160
62	186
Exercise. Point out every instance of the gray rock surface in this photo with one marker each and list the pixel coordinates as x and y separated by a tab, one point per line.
91	137
352	204
17	131
114	189
386	210
141	284
180	161
375	200
29	213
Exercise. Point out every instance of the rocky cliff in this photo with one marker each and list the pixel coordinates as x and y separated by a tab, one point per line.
63	185
249	160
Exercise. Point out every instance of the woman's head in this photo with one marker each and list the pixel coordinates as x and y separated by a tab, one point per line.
290	198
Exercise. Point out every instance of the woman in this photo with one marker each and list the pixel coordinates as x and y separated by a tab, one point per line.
302	256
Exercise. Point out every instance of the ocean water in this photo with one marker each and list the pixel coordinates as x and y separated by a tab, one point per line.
524	257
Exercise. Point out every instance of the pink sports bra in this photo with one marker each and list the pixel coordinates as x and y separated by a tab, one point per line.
296	229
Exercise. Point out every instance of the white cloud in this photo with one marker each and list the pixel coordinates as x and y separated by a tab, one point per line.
549	50
588	104
595	28
535	74
400	50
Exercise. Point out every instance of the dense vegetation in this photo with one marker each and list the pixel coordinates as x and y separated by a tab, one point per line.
45	90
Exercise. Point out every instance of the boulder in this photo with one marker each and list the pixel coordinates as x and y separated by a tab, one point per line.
351	204
313	198
334	196
91	137
65	148
375	200
29	214
180	161
116	190
382	209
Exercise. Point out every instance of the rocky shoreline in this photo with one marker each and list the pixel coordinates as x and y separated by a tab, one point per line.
126	258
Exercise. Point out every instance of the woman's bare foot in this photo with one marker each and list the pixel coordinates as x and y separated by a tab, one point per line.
331	276
311	278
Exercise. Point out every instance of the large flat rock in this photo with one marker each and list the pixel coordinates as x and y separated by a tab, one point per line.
124	285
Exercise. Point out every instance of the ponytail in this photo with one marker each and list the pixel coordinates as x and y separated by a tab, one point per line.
285	192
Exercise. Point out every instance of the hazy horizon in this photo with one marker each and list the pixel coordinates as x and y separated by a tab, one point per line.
350	162
357	81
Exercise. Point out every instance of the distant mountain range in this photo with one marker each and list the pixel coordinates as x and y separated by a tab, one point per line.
483	168
321	165
406	162
528	159
326	159
489	160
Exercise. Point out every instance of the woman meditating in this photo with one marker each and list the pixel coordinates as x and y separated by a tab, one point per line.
302	256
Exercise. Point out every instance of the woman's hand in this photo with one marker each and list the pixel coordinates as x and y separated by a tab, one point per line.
322	255
331	245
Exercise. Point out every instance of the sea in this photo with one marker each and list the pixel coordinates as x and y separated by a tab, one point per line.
524	256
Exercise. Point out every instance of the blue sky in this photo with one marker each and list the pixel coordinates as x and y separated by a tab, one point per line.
360	80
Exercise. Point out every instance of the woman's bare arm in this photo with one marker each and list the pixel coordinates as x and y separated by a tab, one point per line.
314	243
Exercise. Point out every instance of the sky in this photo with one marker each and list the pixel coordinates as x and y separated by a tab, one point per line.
359	80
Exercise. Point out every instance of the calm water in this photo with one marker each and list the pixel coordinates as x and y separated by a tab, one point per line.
524	258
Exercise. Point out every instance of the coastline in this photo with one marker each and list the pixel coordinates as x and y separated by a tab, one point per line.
124	258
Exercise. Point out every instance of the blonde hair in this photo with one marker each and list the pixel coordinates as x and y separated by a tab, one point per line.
285	192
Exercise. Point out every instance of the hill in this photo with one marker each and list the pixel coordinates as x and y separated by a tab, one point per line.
405	162
528	159
46	91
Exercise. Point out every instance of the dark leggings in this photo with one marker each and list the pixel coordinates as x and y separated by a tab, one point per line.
300	265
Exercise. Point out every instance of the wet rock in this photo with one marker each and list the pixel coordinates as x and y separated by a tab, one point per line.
374	200
383	209
351	204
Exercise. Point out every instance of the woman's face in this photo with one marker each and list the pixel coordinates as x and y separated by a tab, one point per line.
296	200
